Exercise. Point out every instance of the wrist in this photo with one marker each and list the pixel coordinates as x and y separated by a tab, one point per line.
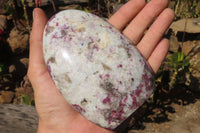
80	125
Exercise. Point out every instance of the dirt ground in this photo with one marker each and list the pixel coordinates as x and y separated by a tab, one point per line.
177	113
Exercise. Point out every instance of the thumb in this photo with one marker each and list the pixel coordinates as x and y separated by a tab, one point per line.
47	96
37	70
36	61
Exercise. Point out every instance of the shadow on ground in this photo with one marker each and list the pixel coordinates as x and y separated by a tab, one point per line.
158	108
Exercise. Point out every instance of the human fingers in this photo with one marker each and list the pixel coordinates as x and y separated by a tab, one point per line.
126	13
135	30
158	55
155	32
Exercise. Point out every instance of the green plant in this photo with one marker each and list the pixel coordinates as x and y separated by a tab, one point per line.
26	99
1	68
186	8
9	8
25	11
83	9
179	65
12	8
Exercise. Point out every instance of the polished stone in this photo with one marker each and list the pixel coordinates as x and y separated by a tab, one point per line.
96	68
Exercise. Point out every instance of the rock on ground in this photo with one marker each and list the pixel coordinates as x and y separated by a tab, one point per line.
2	11
18	41
3	21
6	96
18	119
186	25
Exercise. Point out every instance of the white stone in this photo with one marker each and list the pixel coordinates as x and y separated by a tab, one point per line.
96	68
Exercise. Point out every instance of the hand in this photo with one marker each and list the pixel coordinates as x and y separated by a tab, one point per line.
55	113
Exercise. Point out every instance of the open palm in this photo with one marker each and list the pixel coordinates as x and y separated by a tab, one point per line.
55	113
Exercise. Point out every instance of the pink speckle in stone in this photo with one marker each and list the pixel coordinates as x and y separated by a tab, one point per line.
120	66
78	108
73	30
107	100
125	99
133	97
70	38
145	77
120	82
134	102
100	76
96	48
107	75
65	27
116	115
138	91
140	86
54	36
91	39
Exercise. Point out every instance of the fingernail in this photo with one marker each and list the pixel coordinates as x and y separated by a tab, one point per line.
33	14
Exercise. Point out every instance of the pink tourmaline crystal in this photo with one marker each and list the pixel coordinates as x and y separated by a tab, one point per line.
96	68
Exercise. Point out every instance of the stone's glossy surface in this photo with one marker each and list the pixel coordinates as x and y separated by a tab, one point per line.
97	69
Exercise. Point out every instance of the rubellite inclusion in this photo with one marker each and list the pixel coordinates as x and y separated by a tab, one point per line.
96	68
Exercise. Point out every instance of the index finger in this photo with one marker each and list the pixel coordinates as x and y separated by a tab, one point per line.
126	13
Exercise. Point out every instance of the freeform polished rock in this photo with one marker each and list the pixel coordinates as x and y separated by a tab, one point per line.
96	68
